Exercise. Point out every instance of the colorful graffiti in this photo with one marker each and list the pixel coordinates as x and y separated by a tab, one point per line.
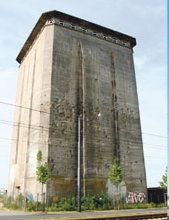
135	197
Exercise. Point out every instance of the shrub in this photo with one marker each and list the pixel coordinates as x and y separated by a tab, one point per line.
20	201
97	202
31	206
8	202
64	204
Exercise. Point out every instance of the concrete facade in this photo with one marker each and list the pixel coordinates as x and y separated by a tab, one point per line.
70	69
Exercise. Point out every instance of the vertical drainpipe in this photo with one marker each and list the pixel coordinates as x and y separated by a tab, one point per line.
81	128
83	121
79	168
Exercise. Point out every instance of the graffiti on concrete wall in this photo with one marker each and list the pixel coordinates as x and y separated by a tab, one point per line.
135	197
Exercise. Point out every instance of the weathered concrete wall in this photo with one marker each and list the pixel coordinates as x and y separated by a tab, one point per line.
31	134
131	149
66	73
111	115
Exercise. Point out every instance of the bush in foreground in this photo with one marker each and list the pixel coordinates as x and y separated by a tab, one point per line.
96	202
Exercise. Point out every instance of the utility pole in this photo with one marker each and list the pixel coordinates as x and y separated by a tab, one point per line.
78	170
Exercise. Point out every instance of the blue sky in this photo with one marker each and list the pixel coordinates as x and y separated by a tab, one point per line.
142	19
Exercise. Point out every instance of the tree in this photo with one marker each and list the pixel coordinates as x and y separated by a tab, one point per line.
42	172
39	156
116	177
163	183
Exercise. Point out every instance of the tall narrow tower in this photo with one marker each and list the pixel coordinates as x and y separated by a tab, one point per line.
71	71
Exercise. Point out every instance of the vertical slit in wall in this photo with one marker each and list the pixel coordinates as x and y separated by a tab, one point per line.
19	110
19	117
115	112
51	108
29	121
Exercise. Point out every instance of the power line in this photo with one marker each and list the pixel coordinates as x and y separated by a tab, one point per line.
147	133
32	109
40	111
123	140
20	140
19	106
157	135
145	156
42	128
154	145
24	125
